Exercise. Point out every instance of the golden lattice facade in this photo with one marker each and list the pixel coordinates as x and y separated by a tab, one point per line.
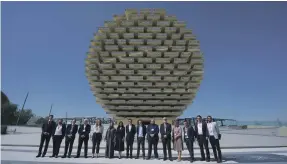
144	64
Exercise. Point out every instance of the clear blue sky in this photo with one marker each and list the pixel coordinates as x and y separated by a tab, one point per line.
44	47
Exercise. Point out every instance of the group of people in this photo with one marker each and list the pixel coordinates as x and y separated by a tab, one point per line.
116	138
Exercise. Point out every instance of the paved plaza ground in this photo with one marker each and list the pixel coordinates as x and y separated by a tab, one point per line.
238	146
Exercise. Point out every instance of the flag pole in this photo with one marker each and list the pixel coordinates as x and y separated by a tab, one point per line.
22	109
66	118
50	109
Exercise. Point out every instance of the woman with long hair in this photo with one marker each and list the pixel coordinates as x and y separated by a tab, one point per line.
98	130
120	139
110	139
177	139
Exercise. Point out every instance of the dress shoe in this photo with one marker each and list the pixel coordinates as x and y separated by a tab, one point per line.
86	156
170	159
69	156
56	156
63	156
52	156
219	161
77	156
39	155
43	155
202	159
207	160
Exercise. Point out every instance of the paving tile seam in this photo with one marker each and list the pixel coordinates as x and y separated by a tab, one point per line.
229	147
160	153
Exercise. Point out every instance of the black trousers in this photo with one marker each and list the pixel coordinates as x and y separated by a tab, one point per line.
97	137
69	141
166	143
57	140
141	143
202	141
130	143
81	140
46	139
215	147
189	146
152	143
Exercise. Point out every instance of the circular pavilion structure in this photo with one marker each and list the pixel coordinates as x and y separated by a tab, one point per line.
144	64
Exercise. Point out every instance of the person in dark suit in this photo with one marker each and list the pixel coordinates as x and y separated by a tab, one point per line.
141	132
189	138
152	137
202	138
84	132
71	132
58	137
120	139
48	130
165	132
130	136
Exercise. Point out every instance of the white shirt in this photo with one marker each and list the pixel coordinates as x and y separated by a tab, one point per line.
130	127
213	129
210	128
84	128
140	131
199	128
72	127
185	132
164	126
98	129
58	131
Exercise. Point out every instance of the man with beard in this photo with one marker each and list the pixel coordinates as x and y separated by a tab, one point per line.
152	137
214	137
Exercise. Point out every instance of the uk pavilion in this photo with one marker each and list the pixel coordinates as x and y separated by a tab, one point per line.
144	64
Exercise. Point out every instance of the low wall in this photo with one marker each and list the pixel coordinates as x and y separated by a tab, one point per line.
282	131
260	127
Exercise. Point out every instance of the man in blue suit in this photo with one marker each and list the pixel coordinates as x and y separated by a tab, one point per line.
152	137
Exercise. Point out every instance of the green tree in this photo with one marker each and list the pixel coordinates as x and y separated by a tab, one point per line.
41	120
24	116
8	113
